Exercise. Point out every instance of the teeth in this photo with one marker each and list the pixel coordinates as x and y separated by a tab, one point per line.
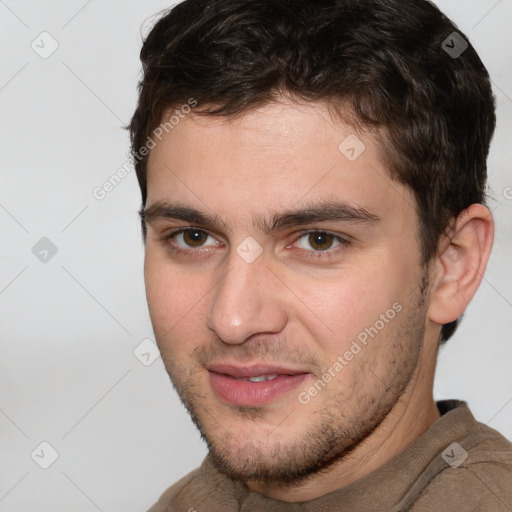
262	378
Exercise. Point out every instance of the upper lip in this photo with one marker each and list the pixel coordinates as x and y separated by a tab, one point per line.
253	370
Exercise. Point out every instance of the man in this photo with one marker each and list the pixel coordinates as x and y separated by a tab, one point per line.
312	177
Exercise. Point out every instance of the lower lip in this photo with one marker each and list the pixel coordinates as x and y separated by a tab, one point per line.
253	394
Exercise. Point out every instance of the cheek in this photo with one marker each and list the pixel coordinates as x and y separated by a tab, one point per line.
176	299
349	302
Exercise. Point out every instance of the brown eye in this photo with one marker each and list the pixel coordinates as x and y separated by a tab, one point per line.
321	241
321	244
194	237
190	242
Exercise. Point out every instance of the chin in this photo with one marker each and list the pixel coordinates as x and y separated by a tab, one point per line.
273	456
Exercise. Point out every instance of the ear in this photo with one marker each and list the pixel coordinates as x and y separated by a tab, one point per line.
460	264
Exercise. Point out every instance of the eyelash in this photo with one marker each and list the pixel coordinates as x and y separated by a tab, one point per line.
318	254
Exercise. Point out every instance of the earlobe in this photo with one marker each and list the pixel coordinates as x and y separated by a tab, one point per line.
460	264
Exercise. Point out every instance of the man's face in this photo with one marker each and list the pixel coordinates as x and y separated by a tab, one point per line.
321	307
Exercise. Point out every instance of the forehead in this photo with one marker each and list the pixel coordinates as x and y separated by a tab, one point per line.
276	157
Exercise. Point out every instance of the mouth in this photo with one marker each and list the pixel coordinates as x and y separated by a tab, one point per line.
254	385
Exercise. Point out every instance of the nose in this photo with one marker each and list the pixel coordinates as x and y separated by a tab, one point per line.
246	301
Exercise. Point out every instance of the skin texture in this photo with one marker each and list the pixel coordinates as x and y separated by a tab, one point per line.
293	306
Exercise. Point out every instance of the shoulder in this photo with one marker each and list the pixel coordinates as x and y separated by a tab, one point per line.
477	478
205	488
185	485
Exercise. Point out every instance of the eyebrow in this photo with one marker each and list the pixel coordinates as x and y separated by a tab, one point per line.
318	212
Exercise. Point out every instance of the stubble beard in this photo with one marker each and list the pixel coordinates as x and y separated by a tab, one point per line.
278	462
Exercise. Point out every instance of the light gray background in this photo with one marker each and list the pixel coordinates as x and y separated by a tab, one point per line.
68	374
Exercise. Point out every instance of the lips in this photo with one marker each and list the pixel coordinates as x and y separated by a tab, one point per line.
254	385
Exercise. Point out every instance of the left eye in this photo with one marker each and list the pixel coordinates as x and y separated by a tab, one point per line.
319	241
188	238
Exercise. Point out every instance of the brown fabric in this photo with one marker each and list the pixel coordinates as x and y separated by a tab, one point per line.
416	480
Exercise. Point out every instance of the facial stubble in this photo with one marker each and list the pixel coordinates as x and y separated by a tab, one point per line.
277	461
